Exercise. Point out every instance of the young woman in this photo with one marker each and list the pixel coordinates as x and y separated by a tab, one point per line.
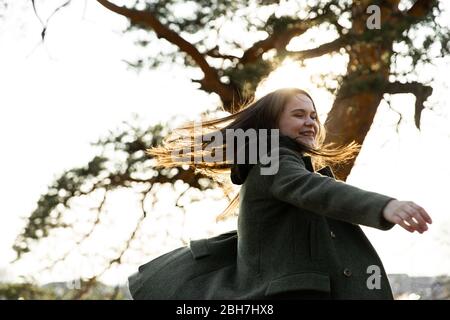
298	235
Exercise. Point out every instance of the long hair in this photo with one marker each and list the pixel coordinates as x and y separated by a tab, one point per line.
263	113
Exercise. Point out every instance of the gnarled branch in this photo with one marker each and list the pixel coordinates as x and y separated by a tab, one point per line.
421	91
281	39
211	81
320	50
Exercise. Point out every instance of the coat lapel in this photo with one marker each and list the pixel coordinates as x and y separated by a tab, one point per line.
292	144
326	171
308	163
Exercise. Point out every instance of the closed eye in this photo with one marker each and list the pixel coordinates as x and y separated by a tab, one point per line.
302	115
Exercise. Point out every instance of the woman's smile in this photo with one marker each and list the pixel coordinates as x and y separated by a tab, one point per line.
299	120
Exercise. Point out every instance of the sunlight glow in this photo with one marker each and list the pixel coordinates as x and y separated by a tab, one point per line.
307	77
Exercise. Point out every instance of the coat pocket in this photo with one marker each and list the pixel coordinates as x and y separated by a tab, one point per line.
313	281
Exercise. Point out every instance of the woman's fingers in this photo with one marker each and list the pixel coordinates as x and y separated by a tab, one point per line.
408	215
405	226
422	212
420	221
417	215
408	219
420	215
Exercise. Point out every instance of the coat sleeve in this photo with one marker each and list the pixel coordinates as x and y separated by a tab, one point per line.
296	185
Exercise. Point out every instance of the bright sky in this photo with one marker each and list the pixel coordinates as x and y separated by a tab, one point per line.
58	98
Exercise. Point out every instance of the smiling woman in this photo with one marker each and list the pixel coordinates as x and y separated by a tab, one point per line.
299	120
279	109
298	231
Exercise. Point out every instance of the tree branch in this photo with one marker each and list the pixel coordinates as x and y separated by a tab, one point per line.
320	50
44	24
210	82
421	8
214	53
280	39
421	91
118	257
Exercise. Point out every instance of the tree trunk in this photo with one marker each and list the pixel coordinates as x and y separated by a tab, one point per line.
360	93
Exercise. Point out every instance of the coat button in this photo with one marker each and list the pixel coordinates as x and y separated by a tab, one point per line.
347	272
332	235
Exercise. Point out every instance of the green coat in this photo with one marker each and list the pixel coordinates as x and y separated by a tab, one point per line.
297	237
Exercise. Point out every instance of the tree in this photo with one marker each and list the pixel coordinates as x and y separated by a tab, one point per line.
232	66
372	57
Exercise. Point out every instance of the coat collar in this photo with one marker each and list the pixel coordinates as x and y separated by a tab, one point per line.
290	143
325	171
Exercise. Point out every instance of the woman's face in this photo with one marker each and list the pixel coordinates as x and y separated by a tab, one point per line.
299	120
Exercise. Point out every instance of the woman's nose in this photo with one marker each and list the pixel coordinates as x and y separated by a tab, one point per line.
309	122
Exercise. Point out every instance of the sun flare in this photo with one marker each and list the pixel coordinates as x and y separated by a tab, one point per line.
291	74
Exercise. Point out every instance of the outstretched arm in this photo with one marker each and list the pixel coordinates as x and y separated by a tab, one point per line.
294	184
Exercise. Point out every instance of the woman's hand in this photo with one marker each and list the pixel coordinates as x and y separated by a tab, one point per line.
408	215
